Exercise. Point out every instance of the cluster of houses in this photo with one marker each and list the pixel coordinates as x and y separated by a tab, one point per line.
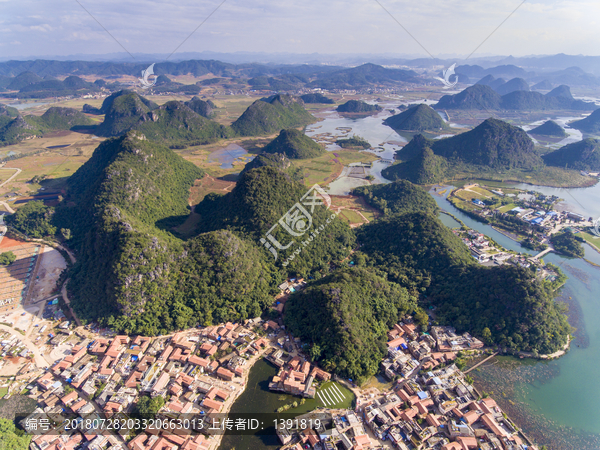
194	370
12	347
410	352
297	377
431	405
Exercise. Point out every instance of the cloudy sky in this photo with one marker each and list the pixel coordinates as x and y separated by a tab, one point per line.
451	27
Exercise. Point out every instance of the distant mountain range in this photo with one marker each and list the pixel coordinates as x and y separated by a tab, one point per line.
483	97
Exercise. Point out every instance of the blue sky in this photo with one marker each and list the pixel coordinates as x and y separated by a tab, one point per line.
452	27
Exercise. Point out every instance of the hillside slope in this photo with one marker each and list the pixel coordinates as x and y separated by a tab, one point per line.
270	115
294	144
417	118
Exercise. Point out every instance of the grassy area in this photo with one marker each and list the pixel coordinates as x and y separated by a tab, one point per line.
507	208
351	216
3	391
591	239
326	168
333	395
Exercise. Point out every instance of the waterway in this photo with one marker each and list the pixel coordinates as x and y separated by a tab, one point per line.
556	402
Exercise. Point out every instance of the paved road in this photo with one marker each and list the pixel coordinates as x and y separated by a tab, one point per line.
17	172
40	360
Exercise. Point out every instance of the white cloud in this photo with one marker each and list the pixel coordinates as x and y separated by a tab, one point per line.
360	26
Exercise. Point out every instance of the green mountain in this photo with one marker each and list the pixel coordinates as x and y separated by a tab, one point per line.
121	193
357	106
58	118
176	124
590	124
18	129
515	84
363	76
345	317
256	204
425	168
398	197
417	118
14	130
278	161
316	98
270	115
478	96
71	85
8	111
419	252
582	155
122	111
294	144
549	128
493	144
483	97
22	80
200	107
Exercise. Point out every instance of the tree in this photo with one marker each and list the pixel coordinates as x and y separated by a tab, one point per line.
421	319
11	438
33	219
7	258
66	233
486	335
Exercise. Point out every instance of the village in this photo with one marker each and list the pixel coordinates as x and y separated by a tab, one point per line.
527	217
79	376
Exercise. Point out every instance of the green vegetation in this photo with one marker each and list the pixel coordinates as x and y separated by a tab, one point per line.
417	118
11	438
568	244
316	98
127	196
419	252
34	87
582	155
357	106
122	110
176	124
477	96
148	407
345	317
397	198
494	144
425	168
294	144
590	124
270	115
200	107
482	97
33	219
260	198
142	277
7	258
353	142
362	76
549	128
277	160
